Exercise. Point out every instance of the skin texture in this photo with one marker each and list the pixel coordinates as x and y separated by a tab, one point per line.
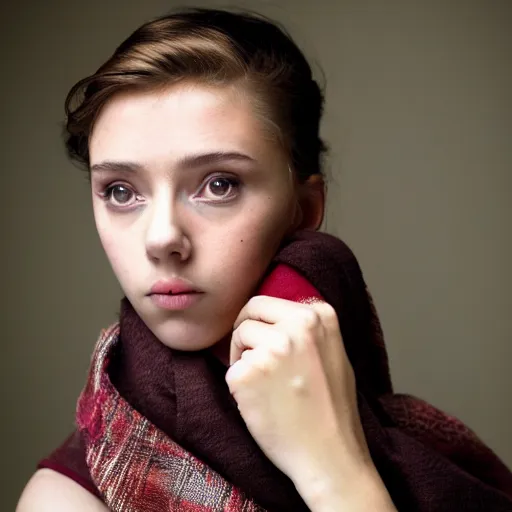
172	224
48	491
160	213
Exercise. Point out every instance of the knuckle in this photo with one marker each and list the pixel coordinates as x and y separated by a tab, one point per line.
267	366
237	376
262	363
310	319
256	301
242	330
253	300
328	315
282	346
324	309
327	310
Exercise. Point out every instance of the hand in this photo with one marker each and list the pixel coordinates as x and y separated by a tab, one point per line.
295	387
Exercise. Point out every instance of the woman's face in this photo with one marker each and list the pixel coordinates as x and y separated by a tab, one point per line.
189	192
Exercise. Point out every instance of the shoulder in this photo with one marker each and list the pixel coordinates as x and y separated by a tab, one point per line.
48	490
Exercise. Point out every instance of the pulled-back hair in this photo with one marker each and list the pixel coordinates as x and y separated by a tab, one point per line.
211	47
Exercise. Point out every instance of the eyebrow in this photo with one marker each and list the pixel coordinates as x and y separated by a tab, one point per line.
187	162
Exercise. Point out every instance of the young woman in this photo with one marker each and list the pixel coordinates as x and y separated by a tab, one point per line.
247	371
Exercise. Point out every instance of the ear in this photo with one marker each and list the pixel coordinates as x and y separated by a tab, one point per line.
311	203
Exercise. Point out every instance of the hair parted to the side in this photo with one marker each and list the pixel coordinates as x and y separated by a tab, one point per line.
212	47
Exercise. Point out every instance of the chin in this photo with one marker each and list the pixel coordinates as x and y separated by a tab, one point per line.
191	338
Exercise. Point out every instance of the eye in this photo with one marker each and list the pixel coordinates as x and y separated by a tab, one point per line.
221	188
119	195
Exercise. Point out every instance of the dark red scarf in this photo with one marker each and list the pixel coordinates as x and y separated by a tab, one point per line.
428	460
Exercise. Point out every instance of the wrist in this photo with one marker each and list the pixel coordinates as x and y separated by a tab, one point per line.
333	487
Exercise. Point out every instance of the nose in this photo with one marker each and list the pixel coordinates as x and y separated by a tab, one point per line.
165	237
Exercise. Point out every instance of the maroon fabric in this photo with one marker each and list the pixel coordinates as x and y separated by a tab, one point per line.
135	465
428	461
69	460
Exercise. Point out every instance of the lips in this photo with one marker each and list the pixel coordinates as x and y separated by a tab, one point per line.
173	287
178	302
174	294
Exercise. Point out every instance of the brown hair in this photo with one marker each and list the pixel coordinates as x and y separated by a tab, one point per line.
214	47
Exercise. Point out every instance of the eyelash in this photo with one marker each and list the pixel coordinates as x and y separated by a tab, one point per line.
106	193
234	183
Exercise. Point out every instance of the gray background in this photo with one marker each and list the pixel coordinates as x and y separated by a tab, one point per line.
419	121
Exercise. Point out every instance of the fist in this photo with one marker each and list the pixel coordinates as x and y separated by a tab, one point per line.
293	383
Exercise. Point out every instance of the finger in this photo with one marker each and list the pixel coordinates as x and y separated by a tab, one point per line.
329	320
305	331
327	313
252	334
249	376
334	356
270	310
333	352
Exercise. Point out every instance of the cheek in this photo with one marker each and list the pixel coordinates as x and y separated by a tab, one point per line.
113	251
118	247
247	245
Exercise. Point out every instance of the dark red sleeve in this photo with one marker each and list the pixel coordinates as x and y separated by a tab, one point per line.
69	460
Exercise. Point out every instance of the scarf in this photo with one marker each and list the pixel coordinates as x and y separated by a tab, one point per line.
159	430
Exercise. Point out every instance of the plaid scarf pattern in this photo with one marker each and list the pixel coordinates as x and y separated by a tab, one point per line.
134	465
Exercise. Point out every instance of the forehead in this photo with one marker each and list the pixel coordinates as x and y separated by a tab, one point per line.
181	119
